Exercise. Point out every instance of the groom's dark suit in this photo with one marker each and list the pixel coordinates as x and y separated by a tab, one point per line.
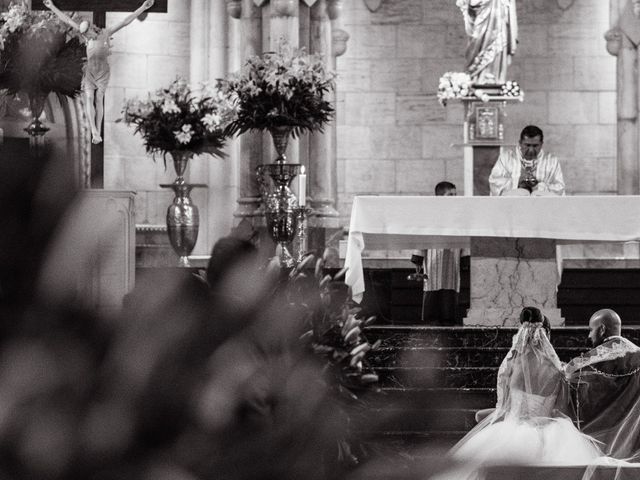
605	391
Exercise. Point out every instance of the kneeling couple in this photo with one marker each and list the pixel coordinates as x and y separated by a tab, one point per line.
539	398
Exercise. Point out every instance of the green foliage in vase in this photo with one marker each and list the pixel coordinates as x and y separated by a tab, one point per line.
182	118
39	54
286	88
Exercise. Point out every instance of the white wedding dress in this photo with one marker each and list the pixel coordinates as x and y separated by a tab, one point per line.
526	427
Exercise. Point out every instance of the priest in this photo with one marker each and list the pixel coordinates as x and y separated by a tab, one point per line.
604	385
527	169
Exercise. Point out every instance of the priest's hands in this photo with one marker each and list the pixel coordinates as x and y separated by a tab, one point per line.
528	183
48	3
147	4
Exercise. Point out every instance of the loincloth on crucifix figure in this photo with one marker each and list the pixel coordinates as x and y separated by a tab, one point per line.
97	70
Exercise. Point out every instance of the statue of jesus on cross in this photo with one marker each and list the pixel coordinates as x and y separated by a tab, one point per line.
97	71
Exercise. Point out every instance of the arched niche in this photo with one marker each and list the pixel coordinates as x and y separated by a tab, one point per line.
68	137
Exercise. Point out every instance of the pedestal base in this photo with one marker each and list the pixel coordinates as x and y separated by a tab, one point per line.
508	274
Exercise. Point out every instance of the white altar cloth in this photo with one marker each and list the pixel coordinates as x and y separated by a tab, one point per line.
404	222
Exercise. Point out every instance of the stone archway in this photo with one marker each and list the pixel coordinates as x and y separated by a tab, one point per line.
68	134
623	41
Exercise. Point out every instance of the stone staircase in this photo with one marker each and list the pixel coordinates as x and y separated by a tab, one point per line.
434	379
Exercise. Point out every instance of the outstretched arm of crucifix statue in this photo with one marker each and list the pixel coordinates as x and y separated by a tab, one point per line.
63	16
97	71
130	18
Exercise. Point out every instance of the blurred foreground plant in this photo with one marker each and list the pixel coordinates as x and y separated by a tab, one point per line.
188	382
336	336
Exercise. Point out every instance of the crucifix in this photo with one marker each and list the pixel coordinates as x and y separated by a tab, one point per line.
99	9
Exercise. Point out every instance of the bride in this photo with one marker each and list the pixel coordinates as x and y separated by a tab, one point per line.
528	425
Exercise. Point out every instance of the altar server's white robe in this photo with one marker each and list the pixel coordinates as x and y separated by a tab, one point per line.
506	173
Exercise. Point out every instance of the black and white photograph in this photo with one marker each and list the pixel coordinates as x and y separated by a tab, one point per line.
319	239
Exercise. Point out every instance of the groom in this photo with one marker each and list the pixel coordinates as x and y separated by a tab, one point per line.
605	387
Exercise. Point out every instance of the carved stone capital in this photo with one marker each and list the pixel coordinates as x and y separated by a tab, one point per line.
339	39
319	11
234	8
283	8
373	5
565	4
614	41
334	9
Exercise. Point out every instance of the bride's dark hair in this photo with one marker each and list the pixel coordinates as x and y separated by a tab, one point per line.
534	315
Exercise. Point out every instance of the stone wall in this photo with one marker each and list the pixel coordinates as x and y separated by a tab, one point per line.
393	136
395	139
146	56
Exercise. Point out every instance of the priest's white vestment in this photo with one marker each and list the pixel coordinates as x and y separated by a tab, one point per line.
507	172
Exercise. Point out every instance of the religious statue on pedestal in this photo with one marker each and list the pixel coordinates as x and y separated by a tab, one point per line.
97	71
492	28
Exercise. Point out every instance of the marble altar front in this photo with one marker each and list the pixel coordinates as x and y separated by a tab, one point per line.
508	274
512	240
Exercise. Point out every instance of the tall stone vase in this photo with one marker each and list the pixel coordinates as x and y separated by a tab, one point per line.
183	217
281	207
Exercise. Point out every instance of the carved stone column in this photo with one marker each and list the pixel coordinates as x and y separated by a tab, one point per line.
622	41
209	41
223	173
322	145
250	143
284	24
198	41
266	22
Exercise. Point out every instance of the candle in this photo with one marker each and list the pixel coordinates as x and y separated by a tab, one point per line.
302	188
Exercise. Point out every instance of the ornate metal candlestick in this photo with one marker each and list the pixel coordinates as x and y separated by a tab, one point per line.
280	204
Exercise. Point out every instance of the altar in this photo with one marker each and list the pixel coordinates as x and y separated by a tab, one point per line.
512	241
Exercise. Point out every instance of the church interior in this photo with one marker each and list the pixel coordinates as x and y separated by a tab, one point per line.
339	298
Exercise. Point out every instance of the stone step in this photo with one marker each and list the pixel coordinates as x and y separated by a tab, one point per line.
437	377
418	459
434	379
526	472
451	356
417	420
439	398
414	336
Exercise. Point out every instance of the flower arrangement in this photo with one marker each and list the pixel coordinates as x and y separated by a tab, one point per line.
38	55
511	89
180	117
282	89
453	85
